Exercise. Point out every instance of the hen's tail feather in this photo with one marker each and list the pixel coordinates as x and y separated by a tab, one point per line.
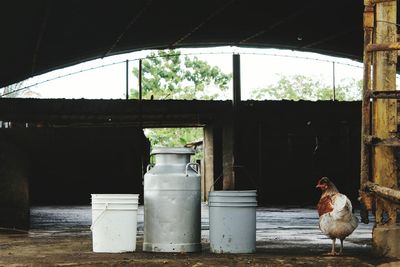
342	208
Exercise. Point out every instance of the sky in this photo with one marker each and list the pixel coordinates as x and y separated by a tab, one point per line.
259	67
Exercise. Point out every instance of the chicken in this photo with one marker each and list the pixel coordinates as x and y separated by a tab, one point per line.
336	219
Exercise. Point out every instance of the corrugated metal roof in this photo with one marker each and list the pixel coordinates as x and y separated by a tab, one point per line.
43	35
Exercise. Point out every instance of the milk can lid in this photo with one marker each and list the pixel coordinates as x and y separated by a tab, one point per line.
172	150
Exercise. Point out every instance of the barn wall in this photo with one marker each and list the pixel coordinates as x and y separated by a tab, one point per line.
285	147
66	165
14	185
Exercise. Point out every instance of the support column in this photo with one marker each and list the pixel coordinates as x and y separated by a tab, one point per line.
230	130
386	233
14	190
228	158
208	171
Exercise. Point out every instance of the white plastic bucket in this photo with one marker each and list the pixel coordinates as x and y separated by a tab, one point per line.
114	221
232	221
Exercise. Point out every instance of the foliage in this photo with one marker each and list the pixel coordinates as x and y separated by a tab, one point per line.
349	89
174	137
168	75
300	87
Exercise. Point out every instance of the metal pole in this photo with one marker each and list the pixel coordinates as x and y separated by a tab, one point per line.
127	80
236	80
140	79
334	81
365	167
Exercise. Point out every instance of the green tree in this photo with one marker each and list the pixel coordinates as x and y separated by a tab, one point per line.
349	89
169	75
300	87
174	137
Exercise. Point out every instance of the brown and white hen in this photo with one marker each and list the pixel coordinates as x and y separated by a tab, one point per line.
336	219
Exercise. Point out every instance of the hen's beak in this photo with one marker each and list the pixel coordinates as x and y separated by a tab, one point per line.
318	186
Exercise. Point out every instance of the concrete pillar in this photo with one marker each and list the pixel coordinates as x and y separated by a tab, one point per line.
386	241
14	190
228	158
208	164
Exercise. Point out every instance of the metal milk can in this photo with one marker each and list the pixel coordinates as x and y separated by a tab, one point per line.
172	202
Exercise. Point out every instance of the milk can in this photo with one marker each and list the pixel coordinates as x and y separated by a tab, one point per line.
172	202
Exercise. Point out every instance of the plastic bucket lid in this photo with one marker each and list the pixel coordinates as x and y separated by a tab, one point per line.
115	201
233	193
233	198
115	196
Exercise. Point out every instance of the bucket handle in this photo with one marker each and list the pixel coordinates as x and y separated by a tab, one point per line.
234	166
98	217
149	166
197	170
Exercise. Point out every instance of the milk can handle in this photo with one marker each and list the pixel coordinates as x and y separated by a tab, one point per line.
192	164
149	166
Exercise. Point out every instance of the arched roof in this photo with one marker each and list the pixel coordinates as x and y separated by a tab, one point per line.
42	35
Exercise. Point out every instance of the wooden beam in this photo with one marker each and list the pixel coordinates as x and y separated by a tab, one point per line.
208	173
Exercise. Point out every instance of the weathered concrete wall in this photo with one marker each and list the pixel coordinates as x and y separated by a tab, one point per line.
386	241
14	189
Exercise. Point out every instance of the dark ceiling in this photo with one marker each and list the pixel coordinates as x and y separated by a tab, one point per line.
38	35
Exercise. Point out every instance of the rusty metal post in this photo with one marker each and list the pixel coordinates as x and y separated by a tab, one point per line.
140	79
366	110
386	233
385	110
334	80
127	80
236	81
384	192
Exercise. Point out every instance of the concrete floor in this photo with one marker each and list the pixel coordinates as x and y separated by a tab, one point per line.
60	236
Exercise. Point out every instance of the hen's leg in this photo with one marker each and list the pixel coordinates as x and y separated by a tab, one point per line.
333	252
341	246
